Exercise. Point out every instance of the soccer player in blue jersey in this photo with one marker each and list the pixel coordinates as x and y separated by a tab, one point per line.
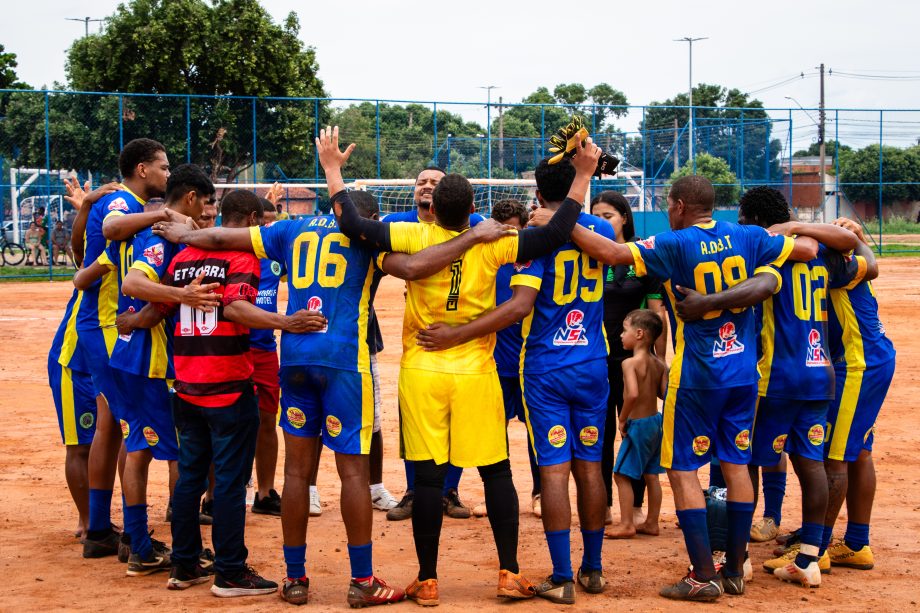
797	378
325	377
712	388
425	183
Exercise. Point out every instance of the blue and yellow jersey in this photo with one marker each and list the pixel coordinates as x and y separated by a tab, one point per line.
100	301
267	300
795	356
456	295
857	336
326	273
566	326
144	352
508	342
719	350
65	339
412	217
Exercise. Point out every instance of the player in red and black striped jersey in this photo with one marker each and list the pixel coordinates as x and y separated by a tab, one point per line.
215	409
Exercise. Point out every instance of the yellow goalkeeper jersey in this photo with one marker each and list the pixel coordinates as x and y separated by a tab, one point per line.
455	295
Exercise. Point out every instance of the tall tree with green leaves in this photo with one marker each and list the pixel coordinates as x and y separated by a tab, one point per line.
717	170
8	78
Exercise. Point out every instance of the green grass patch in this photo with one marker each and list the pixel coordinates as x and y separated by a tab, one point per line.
895	225
34	273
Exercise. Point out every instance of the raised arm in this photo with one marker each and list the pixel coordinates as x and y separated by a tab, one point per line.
749	292
194	294
83	202
438	336
862	249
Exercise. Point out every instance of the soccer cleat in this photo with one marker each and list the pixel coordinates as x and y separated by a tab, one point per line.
480	510
101	548
181	578
690	588
296	591
424	592
453	507
206	516
764	530
560	593
245	583
841	555
124	548
810	576
733	586
514	586
403	510
378	592
793	539
156	561
206	560
782	539
270	505
824	562
536	505
383	500
591	581
316	505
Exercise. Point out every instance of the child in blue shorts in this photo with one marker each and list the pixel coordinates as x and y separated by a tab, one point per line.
645	379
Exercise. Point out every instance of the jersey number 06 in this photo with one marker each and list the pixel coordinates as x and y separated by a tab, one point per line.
329	270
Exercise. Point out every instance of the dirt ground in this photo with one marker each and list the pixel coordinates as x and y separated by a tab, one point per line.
44	570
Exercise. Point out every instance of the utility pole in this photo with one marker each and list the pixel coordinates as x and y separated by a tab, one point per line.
821	146
85	21
501	134
690	40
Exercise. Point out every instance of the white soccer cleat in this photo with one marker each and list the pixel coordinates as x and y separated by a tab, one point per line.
383	500
316	507
810	576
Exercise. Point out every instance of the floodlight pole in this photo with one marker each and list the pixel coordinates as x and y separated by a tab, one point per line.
690	40
489	89
85	21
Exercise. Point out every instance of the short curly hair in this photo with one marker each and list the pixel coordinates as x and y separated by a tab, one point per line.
505	209
453	201
764	206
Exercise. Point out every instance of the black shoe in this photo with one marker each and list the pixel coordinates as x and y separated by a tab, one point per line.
181	578
270	505
690	588
206	517
404	509
296	591
206	560
560	593
154	562
245	583
124	548
103	547
733	586
453	507
592	581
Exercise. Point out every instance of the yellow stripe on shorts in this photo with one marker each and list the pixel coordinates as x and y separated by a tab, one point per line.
68	411
840	430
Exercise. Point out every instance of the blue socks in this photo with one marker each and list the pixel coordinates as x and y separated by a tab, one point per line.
362	566
827	533
452	479
136	527
593	541
774	489
740	515
295	558
811	535
100	511
857	536
696	537
561	554
410	475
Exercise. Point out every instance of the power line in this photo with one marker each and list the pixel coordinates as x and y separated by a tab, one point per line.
875	77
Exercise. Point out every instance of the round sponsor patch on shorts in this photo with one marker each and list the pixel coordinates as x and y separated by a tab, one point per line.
125	428
743	440
779	443
588	436
86	420
557	436
296	417
333	425
816	434
700	445
276	268
151	435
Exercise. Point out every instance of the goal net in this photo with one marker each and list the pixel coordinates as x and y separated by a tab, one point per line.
393	195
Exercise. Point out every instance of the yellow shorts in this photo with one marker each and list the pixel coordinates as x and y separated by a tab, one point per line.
455	417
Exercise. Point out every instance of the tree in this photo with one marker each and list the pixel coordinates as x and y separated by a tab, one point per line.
814	150
727	125
718	172
8	78
859	173
211	49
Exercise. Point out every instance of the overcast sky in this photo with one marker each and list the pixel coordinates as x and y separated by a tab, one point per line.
437	50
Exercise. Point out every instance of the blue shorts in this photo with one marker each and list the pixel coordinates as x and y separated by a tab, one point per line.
511	395
851	420
75	403
695	420
338	404
566	414
95	348
144	409
793	426
640	451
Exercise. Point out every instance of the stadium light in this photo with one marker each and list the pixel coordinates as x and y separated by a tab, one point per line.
690	40
85	21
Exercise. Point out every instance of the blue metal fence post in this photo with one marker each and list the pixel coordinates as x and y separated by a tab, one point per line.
377	128
691	140
255	156
188	129
881	185
741	156
121	123
837	163
316	135
789	160
542	131
50	253
488	140
434	118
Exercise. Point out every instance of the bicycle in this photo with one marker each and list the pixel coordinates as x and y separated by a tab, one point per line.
13	253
